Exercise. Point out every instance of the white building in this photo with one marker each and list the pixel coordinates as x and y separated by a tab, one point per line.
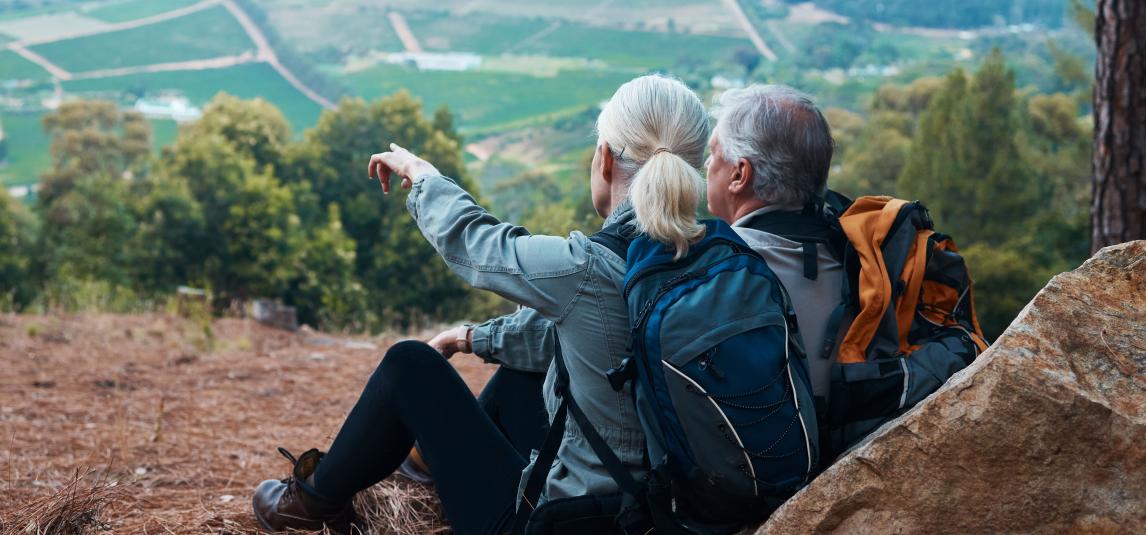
178	109
435	61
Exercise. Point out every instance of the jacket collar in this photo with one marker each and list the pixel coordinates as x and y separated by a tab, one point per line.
744	221
622	214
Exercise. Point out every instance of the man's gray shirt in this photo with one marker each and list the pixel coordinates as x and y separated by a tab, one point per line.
814	300
571	290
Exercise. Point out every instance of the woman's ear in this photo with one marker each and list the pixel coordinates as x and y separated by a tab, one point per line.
606	159
741	180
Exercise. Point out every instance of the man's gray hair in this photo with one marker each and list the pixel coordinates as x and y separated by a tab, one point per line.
783	135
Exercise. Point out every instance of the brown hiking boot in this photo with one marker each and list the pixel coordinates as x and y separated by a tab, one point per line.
286	504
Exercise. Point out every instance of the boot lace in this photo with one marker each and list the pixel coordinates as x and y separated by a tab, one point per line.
290	488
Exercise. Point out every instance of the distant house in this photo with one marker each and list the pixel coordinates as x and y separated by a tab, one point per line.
434	61
175	108
26	193
721	82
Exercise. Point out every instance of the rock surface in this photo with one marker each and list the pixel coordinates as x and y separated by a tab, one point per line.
1045	432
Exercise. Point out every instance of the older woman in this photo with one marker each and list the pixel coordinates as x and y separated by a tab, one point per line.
651	139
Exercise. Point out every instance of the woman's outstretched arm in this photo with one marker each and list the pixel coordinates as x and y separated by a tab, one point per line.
545	273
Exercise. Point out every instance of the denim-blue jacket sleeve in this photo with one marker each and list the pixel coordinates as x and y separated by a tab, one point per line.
522	341
544	273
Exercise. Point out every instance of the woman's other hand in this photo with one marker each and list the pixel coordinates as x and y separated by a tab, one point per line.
401	162
452	341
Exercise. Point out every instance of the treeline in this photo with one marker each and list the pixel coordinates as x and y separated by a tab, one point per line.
949	13
1004	171
236	206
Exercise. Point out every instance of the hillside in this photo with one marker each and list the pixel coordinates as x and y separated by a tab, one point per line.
169	430
503	67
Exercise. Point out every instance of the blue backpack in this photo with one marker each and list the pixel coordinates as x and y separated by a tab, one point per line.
720	384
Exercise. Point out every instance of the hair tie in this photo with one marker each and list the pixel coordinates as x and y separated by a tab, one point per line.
660	150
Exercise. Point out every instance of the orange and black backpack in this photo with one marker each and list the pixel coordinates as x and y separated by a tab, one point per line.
906	322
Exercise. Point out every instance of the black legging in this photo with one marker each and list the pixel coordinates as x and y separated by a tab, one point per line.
415	394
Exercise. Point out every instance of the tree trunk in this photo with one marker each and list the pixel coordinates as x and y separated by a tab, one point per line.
1118	209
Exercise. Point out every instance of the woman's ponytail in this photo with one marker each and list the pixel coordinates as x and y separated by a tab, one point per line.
660	128
665	193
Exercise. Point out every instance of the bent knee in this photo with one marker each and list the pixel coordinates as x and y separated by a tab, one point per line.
406	357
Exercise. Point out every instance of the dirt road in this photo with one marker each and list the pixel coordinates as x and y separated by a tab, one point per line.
119	26
196	65
753	35
43	62
267	54
405	34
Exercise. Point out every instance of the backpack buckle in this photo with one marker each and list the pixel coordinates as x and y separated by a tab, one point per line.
621	374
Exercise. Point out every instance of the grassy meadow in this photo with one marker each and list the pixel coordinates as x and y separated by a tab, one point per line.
245	81
28	152
15	67
125	10
485	100
205	34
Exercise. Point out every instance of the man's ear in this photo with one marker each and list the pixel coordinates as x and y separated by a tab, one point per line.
741	179
606	161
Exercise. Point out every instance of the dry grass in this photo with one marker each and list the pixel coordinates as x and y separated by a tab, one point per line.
135	424
73	509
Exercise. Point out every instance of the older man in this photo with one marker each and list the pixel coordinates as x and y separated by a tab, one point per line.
767	175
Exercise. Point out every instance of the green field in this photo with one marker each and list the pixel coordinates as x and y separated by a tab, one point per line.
204	34
482	100
490	34
15	67
244	81
27	149
134	9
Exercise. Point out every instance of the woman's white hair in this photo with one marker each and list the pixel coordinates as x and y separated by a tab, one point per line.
657	129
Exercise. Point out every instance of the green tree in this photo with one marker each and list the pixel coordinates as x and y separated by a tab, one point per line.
1005	175
84	195
444	122
325	289
92	138
262	238
251	232
85	232
170	244
254	128
965	161
400	271
17	239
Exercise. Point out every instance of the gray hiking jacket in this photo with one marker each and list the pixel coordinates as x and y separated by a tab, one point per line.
814	300
571	288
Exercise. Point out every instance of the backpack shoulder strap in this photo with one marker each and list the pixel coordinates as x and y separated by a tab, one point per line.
812	227
614	237
634	492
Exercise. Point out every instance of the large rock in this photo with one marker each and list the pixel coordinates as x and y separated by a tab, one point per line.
1045	432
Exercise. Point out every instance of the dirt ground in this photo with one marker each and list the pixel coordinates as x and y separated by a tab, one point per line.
148	424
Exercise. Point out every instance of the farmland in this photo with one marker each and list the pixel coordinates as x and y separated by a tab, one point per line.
485	99
246	81
201	35
539	62
123	11
16	67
